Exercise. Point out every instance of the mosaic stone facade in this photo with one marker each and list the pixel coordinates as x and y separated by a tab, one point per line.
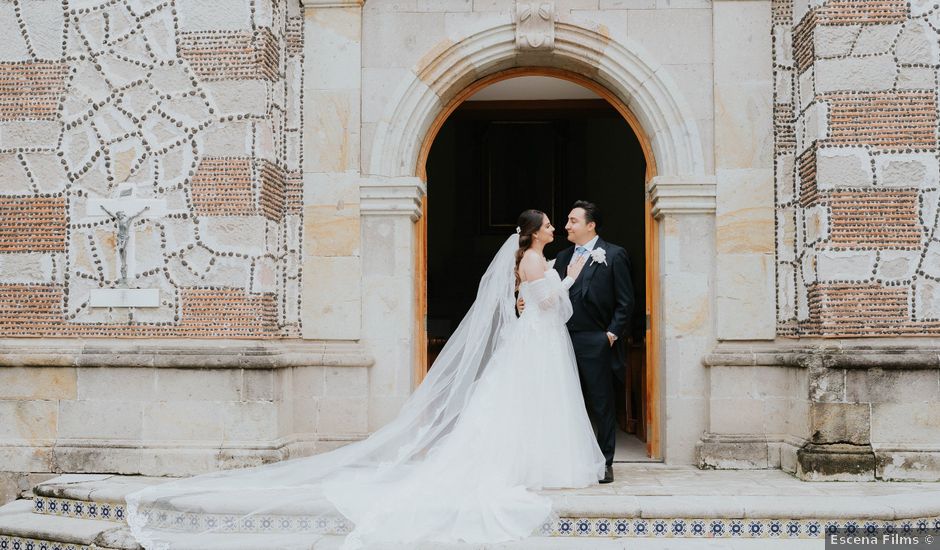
795	195
167	105
856	156
161	101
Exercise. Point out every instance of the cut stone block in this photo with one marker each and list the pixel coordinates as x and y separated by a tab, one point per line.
124	297
838	462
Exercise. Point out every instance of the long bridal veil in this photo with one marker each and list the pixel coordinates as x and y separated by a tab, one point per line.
283	505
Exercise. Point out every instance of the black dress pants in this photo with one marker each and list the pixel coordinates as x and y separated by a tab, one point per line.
595	360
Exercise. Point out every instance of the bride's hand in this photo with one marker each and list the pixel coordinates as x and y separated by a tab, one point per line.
575	269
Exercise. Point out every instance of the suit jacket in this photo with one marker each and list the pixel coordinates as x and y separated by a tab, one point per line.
602	295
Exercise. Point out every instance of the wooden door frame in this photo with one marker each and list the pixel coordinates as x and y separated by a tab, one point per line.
652	390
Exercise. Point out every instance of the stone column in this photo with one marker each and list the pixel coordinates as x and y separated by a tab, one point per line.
684	209
744	278
741	398
332	262
390	208
857	200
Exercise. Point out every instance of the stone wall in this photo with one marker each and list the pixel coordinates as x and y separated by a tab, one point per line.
872	421
857	186
187	108
156	408
857	173
758	416
825	411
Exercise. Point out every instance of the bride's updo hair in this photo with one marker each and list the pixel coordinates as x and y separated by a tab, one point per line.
528	224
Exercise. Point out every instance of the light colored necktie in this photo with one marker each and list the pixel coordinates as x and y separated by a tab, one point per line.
578	252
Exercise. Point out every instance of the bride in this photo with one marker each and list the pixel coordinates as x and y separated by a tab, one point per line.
499	414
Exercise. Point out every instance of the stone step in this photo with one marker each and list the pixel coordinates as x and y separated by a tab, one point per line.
21	529
98	487
557	543
645	501
88	496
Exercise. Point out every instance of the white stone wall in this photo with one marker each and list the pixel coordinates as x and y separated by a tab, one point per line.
348	115
759	415
744	294
416	57
174	421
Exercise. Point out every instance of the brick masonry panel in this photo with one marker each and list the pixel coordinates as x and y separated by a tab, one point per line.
125	112
873	214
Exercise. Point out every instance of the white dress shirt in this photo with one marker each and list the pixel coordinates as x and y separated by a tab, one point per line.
589	246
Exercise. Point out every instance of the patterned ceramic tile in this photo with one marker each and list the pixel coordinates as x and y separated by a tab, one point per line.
554	527
17	543
725	528
79	508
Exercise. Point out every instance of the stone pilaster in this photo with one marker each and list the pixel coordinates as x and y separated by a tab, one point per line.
332	263
390	208
684	209
744	221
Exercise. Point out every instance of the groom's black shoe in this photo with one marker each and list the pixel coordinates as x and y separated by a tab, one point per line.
608	475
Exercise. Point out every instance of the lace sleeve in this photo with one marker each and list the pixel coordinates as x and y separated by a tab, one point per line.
550	295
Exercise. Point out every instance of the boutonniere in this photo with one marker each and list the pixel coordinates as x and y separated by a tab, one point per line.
599	255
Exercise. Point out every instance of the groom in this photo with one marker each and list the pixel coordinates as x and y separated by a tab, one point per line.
602	298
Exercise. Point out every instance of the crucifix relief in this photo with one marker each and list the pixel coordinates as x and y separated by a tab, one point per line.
535	25
123	223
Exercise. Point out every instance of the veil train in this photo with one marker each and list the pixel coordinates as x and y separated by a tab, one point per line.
284	504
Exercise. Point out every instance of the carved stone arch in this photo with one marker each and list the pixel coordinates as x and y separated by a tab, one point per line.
678	181
622	68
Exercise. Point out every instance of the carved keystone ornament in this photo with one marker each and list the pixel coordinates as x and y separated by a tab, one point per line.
535	25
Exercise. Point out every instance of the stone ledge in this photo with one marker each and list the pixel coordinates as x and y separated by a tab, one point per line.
683	195
760	495
644	501
835	462
161	457
215	354
104	488
824	354
399	196
884	507
307	4
819	462
747	451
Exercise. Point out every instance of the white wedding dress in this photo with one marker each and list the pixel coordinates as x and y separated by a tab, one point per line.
525	427
502	416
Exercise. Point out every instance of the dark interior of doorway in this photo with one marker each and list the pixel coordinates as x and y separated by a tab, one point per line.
493	159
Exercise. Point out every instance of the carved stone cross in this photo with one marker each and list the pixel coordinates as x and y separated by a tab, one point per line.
535	25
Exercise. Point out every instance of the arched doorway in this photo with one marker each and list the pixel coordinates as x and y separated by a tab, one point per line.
393	190
489	155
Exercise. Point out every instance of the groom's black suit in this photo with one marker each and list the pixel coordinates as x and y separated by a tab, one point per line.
602	298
